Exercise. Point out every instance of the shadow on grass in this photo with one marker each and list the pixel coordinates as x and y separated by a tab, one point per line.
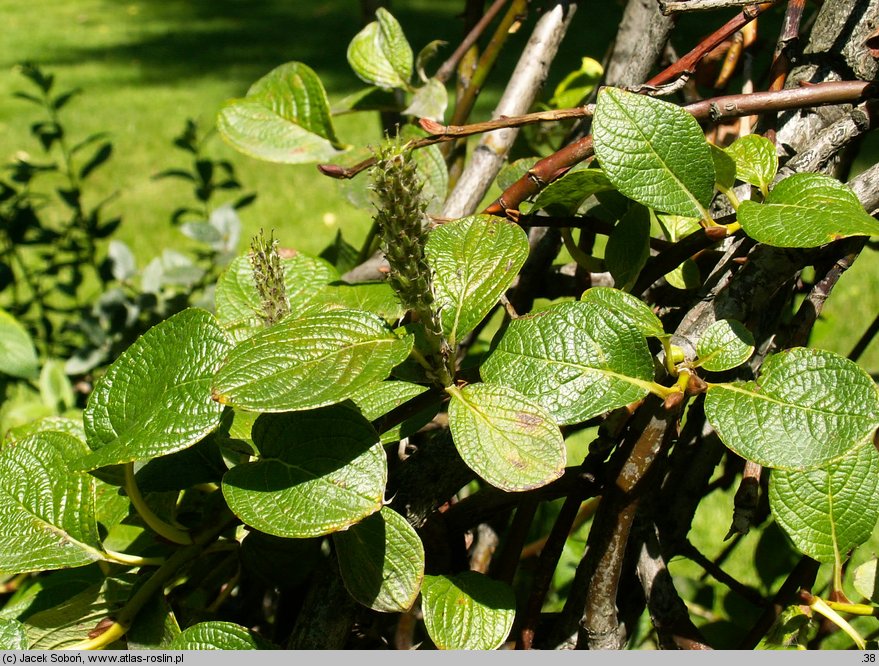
176	40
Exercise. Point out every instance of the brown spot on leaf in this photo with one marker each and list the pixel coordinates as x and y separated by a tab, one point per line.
528	421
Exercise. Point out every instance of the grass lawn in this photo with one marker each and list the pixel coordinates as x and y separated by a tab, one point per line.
145	66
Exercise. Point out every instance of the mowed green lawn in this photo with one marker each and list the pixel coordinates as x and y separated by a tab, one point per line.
145	66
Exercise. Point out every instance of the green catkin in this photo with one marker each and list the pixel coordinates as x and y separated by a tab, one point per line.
268	277
401	222
400	217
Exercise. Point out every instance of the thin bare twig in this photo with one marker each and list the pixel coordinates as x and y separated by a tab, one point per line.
448	67
865	340
530	73
746	500
712	109
546	566
668	613
801	577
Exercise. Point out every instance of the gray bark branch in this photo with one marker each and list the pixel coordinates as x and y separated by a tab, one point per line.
526	80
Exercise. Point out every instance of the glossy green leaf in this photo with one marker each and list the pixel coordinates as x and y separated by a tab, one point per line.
285	117
654	152
830	510
467	611
724	167
685	276
317	360
867	580
675	227
68	623
156	397
755	159
48	424
260	554
376	297
572	189
381	559
379	54
12	635
507	439
18	357
474	260
217	635
628	247
724	345
807	409
578	360
238	302
429	101
628	307
318	472
47	511
377	399
155	627
806	210
574	88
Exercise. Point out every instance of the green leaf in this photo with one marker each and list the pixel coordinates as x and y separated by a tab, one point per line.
12	635
830	510
724	345
376	297
377	399
507	439
474	259
238	302
685	276
756	160
808	408
68	623
574	88
867	580
724	167
48	424
319	471
572	189
578	360
47	510
285	117
468	611
50	589
628	307
379	54
628	247
18	358
55	388
155	627
381	559
675	227
260	554
806	210
429	101
217	635
310	362
653	152
156	397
